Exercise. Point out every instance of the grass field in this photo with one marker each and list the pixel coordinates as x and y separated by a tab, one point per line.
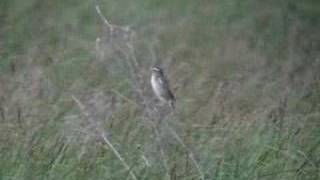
76	103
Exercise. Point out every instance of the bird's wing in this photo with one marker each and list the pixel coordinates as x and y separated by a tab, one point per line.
163	81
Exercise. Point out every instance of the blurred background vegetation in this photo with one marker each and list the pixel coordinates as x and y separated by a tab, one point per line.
246	75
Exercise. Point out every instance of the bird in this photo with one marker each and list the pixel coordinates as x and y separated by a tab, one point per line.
161	88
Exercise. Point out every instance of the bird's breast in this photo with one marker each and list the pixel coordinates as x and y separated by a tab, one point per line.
156	86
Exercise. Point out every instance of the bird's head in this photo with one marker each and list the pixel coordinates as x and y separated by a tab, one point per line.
157	70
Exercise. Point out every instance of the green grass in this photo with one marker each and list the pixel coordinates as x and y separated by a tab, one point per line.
245	75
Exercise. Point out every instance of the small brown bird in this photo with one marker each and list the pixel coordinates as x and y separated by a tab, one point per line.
160	86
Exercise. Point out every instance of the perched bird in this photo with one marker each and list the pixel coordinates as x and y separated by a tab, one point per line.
160	86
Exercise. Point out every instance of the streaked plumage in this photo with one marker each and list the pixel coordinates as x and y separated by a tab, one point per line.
161	87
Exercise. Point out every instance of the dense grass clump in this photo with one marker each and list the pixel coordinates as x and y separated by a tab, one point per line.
75	99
